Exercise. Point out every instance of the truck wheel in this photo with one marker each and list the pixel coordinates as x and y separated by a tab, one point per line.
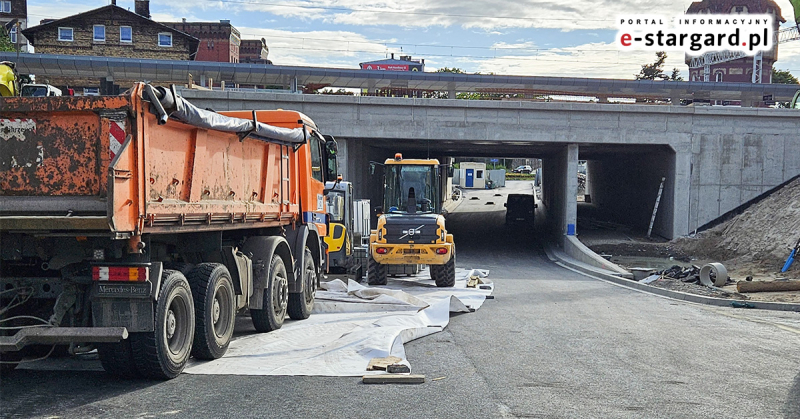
163	353
445	275
376	273
183	267
117	359
301	304
276	296
214	310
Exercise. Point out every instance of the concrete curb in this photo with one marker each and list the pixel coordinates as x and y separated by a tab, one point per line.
575	249
562	259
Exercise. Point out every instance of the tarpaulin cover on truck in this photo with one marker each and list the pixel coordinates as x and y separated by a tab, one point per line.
192	115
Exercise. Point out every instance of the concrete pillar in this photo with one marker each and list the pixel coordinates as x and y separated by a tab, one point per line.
451	90
342	158
560	190
571	190
748	99
675	98
682	202
370	87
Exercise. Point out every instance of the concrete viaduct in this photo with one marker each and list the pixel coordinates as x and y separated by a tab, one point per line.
714	159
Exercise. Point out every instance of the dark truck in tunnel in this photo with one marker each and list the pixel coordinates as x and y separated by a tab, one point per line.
520	209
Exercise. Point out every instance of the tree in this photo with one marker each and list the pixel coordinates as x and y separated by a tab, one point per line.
450	70
783	77
655	71
5	42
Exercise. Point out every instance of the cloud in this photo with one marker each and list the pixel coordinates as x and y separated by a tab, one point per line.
319	48
486	15
521	45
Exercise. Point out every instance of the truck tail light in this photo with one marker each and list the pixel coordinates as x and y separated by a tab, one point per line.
441	251
381	250
120	273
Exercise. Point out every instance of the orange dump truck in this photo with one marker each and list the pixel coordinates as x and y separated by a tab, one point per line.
141	225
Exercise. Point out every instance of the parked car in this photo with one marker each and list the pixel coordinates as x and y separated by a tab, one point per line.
523	169
520	209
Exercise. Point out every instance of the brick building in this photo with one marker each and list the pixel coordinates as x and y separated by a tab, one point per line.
14	16
219	41
112	31
740	70
109	31
254	51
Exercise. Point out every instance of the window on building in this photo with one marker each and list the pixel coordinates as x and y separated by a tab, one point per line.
125	34
91	91
12	35
5	7
99	33
718	76
65	34
165	39
479	174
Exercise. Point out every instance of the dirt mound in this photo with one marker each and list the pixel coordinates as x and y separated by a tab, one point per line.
759	236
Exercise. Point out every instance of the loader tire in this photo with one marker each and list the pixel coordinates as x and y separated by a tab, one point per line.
214	309
117	359
377	274
270	317
445	275
162	353
301	303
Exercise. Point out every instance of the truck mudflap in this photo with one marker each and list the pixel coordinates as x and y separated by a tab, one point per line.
61	335
128	305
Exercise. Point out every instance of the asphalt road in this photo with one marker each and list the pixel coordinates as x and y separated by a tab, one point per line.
552	344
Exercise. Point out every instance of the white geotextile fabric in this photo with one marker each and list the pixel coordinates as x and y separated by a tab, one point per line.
350	325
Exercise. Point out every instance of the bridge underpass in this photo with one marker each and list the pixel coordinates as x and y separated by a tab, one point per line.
713	159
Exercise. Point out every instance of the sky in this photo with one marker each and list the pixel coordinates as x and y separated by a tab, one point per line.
521	37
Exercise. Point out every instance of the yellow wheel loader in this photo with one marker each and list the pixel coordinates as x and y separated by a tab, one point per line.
411	228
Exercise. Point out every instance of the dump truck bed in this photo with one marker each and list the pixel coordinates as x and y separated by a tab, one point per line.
105	165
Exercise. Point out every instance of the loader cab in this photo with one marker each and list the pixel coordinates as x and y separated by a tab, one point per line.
412	186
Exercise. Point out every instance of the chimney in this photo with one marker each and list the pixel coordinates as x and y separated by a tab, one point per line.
113	2
183	20
143	8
